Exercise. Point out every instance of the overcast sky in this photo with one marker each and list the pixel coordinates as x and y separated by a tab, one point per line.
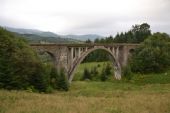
103	17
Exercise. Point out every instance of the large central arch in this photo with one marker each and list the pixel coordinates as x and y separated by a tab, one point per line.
76	63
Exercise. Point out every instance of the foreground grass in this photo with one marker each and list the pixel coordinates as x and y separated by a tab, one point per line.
91	97
142	94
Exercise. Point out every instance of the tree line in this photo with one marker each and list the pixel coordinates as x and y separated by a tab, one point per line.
137	34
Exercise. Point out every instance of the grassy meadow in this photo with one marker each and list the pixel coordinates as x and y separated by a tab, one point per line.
90	66
143	94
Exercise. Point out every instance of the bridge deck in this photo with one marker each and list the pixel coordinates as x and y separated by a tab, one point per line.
86	45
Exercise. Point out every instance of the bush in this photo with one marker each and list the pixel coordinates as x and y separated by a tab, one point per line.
62	82
127	73
54	77
98	65
86	75
94	71
39	80
108	69
103	76
106	72
49	89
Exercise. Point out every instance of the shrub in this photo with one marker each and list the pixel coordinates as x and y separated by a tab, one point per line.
98	65
86	75
103	76
94	71
49	89
127	73
54	77
106	72
62	82
108	69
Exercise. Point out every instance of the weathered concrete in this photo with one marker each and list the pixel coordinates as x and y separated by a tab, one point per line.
69	56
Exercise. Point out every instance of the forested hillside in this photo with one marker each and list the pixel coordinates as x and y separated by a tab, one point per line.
33	38
21	67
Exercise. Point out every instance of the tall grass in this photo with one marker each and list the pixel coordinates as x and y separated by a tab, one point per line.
142	94
91	97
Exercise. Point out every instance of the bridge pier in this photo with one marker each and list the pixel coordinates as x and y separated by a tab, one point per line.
71	53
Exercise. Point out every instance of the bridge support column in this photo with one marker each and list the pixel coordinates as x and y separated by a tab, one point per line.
116	63
117	71
125	56
79	52
86	48
71	57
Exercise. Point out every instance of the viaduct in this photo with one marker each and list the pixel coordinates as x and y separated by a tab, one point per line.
69	56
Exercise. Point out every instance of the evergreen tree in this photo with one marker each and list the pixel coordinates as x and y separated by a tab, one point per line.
86	75
19	64
103	76
137	34
39	80
97	40
88	41
54	77
108	69
94	71
127	73
62	83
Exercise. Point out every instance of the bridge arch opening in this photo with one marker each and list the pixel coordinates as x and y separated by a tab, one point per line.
47	57
108	52
98	55
131	51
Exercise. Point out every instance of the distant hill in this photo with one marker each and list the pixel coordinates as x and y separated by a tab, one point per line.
37	35
42	39
32	31
83	37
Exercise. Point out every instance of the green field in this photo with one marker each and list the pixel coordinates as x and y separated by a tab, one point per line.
90	66
143	94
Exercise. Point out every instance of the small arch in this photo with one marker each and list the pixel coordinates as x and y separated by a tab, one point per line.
83	56
50	54
131	51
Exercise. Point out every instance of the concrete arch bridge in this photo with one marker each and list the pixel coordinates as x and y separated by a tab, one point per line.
69	56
